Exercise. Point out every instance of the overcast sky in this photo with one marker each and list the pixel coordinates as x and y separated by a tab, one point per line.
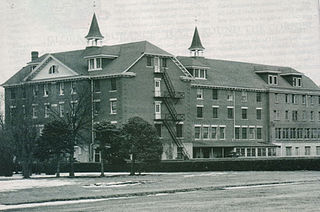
285	32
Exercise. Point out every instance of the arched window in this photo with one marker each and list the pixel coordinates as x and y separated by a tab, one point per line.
53	69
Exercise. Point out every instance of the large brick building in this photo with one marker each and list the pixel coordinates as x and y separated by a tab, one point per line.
201	108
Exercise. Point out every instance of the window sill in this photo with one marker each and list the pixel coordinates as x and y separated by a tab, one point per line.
97	92
113	113
96	69
112	91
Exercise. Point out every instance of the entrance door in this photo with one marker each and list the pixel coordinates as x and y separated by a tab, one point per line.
156	64
157	88
157	110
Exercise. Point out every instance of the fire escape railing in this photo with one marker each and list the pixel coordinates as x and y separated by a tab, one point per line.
170	120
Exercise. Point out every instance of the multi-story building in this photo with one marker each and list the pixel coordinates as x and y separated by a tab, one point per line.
201	108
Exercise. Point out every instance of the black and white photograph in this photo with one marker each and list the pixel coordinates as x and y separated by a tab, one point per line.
160	105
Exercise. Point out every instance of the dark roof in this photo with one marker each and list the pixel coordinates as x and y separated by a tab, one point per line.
126	54
94	31
196	42
231	144
240	74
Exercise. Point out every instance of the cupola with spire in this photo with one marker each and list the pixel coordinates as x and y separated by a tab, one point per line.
196	47
94	36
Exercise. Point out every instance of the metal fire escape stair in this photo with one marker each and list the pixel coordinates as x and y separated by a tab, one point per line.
182	68
173	118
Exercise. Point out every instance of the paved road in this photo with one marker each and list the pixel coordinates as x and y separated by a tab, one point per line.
282	197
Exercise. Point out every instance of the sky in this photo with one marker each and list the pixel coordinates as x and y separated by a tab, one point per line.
285	33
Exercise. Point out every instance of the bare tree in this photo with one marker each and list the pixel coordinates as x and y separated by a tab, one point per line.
77	117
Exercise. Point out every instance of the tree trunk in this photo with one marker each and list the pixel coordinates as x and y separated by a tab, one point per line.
58	166
102	162
25	169
71	161
132	171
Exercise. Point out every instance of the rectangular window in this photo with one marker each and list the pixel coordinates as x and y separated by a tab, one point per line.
230	112
96	86
288	151
244	133
113	106
286	115
164	62
91	64
197	132
45	90
303	99
229	97
214	132
294	115
158	129
215	94
46	110
297	151
200	111
199	93
258	113
200	73
276	98
179	130
251	133
96	107
319	100
293	99
307	133
276	115
244	96
113	84
34	112
156	64
318	150
215	112
278	133
61	109
311	99
149	59
35	90
311	116
73	87
258	97
12	93
259	133
307	150
292	133
205	132
61	88
24	93
304	115
222	132
237	133
98	60
287	98
244	113
299	133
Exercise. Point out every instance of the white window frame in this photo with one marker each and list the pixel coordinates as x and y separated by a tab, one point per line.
34	111
112	101
199	93
61	112
61	88
45	90
200	132
157	89
224	132
46	110
208	136
95	64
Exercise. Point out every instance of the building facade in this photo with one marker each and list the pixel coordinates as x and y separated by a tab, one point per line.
200	107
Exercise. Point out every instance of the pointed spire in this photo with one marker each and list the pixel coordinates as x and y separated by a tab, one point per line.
94	31
196	42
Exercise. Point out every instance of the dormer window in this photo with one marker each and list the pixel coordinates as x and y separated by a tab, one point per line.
94	64
273	80
200	73
296	82
53	69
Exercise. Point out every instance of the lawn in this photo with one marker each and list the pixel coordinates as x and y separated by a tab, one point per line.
42	189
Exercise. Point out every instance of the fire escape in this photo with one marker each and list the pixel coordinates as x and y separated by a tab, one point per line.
170	97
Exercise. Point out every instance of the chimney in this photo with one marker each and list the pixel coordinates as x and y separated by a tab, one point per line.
34	55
